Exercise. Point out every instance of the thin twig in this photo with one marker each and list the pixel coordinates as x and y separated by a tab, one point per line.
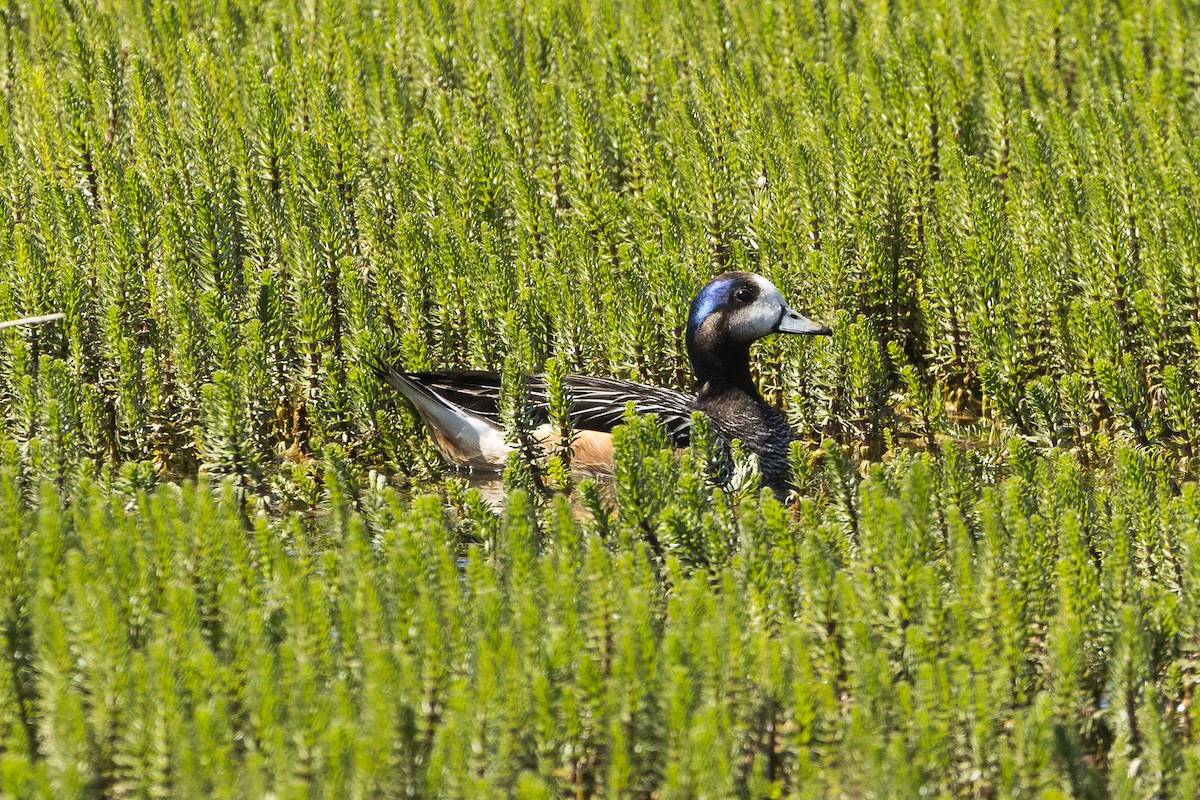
12	323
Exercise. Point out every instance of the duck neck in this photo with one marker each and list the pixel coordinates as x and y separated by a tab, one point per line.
721	367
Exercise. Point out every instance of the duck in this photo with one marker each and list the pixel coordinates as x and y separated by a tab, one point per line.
461	408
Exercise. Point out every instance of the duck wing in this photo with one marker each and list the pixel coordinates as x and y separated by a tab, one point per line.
465	437
476	390
598	403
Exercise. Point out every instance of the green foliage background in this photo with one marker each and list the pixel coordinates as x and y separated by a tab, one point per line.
235	202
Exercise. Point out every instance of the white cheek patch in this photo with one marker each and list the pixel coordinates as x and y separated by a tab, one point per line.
760	317
754	321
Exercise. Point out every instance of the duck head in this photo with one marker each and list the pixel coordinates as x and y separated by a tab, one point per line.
732	311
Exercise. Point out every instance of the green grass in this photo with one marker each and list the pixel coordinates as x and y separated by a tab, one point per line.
981	587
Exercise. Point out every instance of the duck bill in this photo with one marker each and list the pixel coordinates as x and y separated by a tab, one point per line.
791	322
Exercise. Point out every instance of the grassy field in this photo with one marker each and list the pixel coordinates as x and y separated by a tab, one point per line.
232	565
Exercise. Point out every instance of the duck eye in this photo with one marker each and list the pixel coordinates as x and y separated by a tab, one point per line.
743	295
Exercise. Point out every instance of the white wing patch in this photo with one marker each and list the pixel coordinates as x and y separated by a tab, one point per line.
464	438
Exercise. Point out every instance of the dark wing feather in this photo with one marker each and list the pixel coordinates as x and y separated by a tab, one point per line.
599	403
476	390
